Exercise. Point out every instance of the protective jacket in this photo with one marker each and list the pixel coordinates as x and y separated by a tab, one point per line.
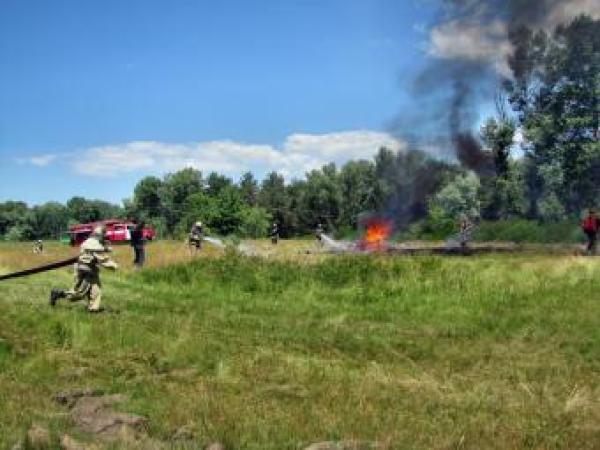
196	233
590	224
93	254
137	238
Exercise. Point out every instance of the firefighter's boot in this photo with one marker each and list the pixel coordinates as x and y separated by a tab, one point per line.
56	294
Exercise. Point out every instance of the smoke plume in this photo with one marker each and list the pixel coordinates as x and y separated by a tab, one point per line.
471	50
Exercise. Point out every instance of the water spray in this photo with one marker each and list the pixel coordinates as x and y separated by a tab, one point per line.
214	241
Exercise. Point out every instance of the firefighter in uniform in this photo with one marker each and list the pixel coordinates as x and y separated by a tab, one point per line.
274	234
93	253
465	230
38	246
319	233
195	237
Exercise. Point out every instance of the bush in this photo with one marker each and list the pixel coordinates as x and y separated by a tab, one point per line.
19	233
255	222
528	231
459	197
438	225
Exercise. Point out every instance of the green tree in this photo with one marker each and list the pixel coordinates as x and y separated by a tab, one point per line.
82	210
555	93
19	233
175	190
298	220
222	213
215	183
498	136
49	220
460	197
323	196
255	222
360	191
273	197
12	214
147	197
249	189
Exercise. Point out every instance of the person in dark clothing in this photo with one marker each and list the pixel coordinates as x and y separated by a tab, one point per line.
274	234
138	243
590	226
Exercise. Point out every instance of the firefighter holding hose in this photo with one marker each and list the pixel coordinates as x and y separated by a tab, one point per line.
196	236
319	233
93	254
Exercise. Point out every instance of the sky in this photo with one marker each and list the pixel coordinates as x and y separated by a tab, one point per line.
96	95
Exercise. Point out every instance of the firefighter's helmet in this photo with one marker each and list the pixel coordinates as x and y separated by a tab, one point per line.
99	231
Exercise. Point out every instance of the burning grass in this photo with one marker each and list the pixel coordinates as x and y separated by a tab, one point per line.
496	351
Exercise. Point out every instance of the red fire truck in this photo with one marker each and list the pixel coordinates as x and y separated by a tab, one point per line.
116	231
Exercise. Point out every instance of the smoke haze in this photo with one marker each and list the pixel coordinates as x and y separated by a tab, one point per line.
470	48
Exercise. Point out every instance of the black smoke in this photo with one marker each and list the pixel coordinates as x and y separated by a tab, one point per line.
448	93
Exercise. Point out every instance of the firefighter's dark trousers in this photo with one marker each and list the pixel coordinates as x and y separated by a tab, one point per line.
592	241
140	255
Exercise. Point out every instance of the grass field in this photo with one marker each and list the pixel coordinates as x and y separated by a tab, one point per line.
493	352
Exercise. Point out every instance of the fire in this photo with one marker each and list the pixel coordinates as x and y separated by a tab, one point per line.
376	234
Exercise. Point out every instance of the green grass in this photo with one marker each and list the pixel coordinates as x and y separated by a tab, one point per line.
417	353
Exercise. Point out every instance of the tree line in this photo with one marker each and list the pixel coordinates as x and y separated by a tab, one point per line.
552	100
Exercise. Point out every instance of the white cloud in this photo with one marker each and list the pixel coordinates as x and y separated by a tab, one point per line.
339	147
38	160
299	153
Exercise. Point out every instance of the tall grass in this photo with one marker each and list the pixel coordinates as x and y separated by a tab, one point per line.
262	353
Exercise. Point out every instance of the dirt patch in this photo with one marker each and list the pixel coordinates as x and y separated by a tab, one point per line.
93	413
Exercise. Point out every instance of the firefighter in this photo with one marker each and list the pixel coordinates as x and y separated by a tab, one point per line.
93	253
590	226
465	229
138	243
195	237
38	246
274	234
319	233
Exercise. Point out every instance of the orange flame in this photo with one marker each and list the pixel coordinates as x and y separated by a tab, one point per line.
376	234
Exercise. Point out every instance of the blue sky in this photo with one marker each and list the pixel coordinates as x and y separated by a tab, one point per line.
95	95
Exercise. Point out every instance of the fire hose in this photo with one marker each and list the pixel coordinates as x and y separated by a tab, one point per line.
44	268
